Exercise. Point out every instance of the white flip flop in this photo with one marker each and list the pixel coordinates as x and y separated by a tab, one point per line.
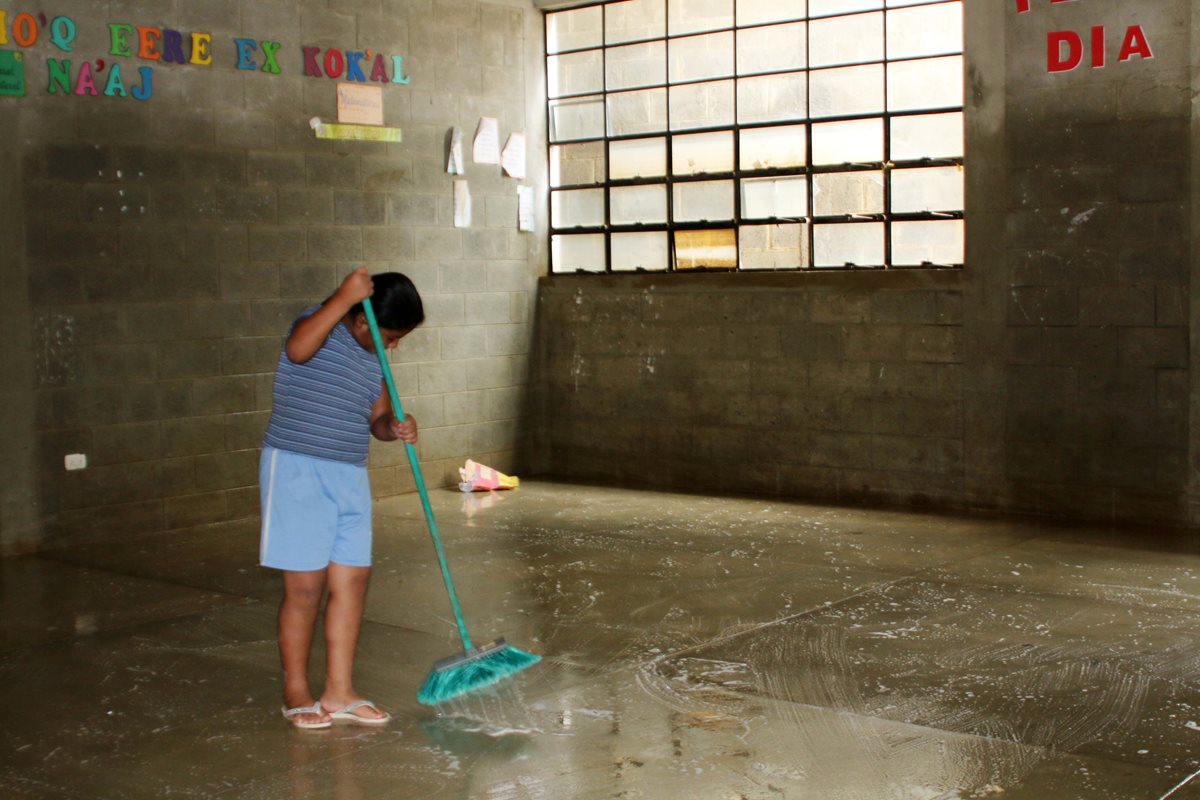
346	714
291	713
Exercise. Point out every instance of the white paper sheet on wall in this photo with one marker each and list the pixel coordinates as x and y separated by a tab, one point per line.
486	149
454	160
462	204
359	105
525	208
513	156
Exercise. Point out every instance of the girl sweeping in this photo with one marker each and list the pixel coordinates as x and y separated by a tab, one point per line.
329	399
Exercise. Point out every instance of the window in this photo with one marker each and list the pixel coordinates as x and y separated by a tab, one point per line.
755	135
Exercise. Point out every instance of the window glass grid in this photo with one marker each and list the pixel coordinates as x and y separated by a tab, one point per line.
743	78
847	219
593	42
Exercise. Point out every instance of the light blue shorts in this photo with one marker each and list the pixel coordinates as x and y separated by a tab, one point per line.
314	512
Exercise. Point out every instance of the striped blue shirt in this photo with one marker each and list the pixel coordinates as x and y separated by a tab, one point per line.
322	408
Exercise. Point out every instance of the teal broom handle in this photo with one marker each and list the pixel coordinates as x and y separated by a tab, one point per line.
398	410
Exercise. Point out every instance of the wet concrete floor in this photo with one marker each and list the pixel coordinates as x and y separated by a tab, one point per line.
695	647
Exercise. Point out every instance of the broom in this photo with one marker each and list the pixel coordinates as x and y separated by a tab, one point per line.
475	667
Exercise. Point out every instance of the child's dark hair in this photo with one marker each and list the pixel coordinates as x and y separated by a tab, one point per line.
396	302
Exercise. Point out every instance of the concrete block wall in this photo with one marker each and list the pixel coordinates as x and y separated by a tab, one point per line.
1098	269
162	248
1054	375
833	386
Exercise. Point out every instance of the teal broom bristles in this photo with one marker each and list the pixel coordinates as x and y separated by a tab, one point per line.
475	667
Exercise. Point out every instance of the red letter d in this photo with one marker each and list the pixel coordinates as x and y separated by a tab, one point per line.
1054	42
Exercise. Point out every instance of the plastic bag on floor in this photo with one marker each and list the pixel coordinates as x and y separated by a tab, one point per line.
477	477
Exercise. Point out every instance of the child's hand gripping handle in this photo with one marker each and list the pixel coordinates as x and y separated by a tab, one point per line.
398	411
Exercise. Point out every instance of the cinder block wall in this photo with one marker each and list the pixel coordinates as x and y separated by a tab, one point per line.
1053	375
1099	258
166	244
845	388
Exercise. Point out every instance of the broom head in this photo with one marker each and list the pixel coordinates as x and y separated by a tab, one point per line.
473	669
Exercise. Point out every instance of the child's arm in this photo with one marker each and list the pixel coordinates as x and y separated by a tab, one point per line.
384	425
310	333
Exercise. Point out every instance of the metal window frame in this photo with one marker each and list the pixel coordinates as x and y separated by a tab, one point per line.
811	220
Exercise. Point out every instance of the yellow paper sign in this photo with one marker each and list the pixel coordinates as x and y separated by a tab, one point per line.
361	133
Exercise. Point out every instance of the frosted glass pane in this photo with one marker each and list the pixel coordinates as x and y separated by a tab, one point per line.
702	152
575	73
925	31
701	105
577	208
633	20
847	90
932	189
845	40
708	249
579	251
772	98
824	8
775	197
927	136
767	148
856	244
773	246
573	30
837	193
633	204
636	65
849	142
693	16
938	242
753	12
703	201
772	49
578	118
575	164
637	158
631	251
642	111
930	83
695	58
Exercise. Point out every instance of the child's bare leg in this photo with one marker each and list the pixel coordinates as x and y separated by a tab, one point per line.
343	619
302	592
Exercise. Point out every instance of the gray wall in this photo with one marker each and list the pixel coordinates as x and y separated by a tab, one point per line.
1053	375
20	519
156	251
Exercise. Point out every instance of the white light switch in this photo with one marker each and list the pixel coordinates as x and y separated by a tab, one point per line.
76	461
